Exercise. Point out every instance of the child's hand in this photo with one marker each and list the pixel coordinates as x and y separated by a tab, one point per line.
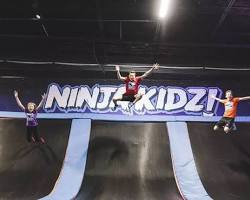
43	95
156	66
117	68
15	93
212	96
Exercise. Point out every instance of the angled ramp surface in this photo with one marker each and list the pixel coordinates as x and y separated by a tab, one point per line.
128	161
223	161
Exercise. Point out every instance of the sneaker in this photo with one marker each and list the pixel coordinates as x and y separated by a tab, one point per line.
234	128
130	105
114	108
42	140
127	109
33	139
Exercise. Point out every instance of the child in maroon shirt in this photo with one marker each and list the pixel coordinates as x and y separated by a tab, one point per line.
31	118
132	83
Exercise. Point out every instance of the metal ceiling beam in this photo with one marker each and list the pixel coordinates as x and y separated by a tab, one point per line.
100	65
120	31
157	31
223	17
118	42
45	30
212	10
99	16
81	20
155	39
110	67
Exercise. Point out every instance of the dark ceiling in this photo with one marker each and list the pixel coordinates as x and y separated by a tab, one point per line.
197	33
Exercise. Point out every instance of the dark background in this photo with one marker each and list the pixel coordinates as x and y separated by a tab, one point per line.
196	33
200	43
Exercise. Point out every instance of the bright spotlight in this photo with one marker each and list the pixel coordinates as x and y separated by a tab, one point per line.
164	8
38	16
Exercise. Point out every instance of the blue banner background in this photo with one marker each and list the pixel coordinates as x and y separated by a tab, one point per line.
31	90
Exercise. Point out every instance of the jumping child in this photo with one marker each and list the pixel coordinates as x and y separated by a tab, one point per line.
132	83
231	105
31	118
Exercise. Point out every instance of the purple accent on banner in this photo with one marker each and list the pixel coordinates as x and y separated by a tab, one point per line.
110	117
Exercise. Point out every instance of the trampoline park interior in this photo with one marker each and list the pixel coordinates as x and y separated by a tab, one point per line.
161	147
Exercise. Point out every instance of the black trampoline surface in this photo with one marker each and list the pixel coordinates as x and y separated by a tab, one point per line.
223	161
128	161
29	171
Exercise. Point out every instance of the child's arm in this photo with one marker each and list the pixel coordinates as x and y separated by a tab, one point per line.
117	68
217	99
147	73
19	103
244	98
41	102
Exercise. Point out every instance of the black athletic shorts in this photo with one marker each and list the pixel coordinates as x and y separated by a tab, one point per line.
128	97
225	121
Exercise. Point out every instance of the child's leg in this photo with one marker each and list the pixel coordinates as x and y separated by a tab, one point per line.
229	125
115	101
219	124
234	128
137	98
35	134
29	134
226	129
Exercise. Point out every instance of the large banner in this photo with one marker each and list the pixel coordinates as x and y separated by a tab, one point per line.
169	98
155	100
